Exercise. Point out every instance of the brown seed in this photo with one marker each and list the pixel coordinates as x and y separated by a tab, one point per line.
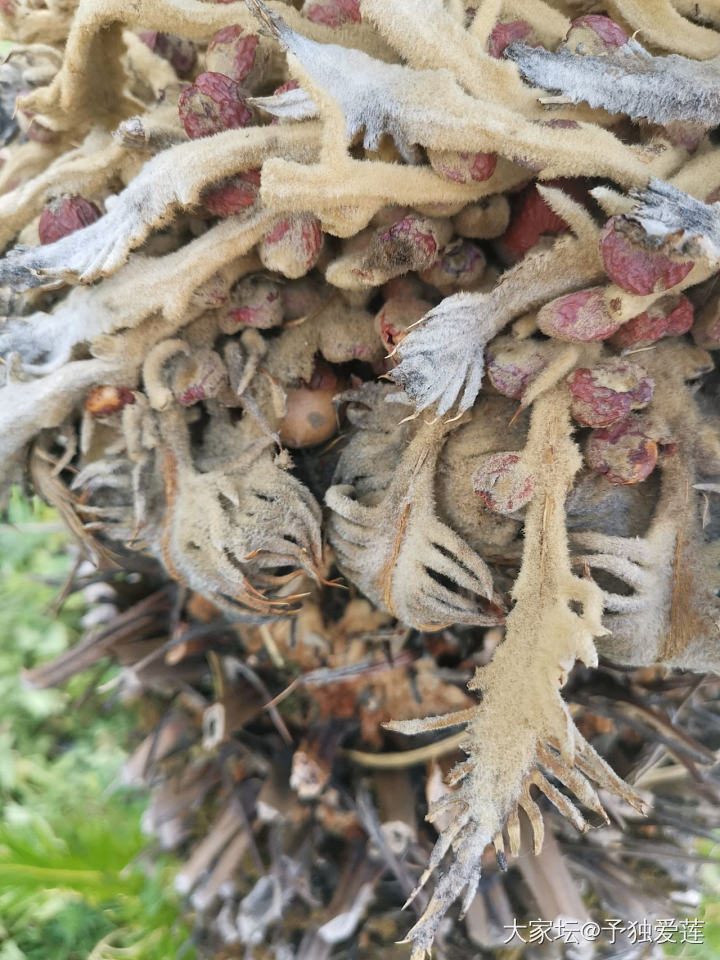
104	400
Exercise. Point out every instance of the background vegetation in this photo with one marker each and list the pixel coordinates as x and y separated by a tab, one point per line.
76	880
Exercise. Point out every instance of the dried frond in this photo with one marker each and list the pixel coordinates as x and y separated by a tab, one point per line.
174	179
693	226
668	610
377	98
632	81
393	546
462	325
553	623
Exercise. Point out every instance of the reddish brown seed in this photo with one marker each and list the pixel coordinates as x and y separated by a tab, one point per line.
180	53
285	87
503	483
503	34
633	265
578	317
213	292
411	243
668	317
232	194
533	218
607	392
310	416
460	266
243	57
396	316
201	378
462	167
332	13
623	452
293	245
682	133
513	365
406	287
254	302
64	216
211	104
31	126
594	35
104	400
303	297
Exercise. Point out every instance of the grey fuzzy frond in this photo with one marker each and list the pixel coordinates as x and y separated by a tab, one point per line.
631	82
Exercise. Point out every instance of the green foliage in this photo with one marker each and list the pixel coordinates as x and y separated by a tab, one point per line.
74	882
708	911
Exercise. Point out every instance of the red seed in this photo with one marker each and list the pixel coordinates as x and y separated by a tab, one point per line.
686	134
633	265
594	34
606	393
302	298
458	268
30	126
413	239
512	365
254	302
180	53
623	452
293	245
201	377
462	167
283	88
396	316
64	216
213	292
104	400
333	13
668	317
503	34
211	104
241	56
232	194
581	316
503	483
532	218
406	287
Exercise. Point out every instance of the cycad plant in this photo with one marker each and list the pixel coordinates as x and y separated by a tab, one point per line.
366	346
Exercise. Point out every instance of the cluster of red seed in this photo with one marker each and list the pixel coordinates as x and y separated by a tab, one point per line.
606	398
